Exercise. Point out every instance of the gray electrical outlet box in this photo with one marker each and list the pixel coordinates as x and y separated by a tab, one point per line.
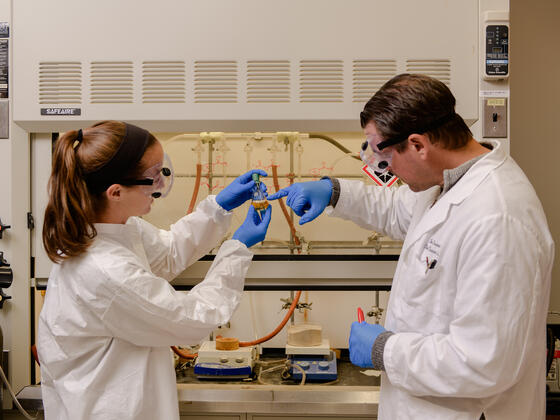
495	118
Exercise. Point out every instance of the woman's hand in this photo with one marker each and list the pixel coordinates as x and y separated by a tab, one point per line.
253	230
239	190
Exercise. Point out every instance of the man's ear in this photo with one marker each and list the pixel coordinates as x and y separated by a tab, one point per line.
114	192
420	144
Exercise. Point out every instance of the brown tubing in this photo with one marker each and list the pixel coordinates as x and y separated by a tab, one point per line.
183	354
278	328
196	187
283	206
35	355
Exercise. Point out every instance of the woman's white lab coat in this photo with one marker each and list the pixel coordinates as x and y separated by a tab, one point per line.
110	316
469	297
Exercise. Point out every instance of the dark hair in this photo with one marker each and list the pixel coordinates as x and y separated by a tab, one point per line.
410	102
70	213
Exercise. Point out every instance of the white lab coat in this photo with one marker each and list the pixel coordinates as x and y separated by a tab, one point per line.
470	332
110	316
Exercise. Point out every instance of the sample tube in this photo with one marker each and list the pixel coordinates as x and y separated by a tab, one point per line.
259	201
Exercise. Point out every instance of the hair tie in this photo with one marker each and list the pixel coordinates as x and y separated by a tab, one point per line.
79	139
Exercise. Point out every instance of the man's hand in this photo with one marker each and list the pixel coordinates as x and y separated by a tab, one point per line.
307	199
360	345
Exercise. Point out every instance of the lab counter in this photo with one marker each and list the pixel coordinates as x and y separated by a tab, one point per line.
354	395
279	399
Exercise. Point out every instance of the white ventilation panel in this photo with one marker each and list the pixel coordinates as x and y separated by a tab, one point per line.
268	81
228	66
321	81
111	82
215	82
438	69
60	82
163	82
368	76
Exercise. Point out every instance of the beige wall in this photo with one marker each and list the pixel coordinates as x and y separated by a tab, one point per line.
535	107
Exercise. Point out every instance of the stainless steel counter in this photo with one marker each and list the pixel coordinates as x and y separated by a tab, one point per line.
354	394
221	398
304	400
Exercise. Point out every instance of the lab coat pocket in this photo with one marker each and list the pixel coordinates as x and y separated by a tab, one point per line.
423	297
424	288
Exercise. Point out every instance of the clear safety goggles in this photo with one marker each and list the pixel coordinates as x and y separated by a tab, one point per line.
377	160
157	180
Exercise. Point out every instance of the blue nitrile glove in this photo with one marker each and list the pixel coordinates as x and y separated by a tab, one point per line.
360	344
239	190
253	230
307	199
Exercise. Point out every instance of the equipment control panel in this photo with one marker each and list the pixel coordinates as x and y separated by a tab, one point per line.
496	45
497	54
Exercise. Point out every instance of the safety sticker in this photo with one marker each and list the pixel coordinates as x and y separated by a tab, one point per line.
383	180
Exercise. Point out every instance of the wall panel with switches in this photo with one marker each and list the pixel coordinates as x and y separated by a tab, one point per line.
495	118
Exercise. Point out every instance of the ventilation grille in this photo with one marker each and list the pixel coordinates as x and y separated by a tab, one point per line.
111	82
321	81
60	82
369	75
215	81
438	69
163	82
268	81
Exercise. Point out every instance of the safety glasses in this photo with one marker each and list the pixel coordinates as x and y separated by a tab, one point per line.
378	160
157	180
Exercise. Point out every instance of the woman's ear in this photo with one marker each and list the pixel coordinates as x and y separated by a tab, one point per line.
113	193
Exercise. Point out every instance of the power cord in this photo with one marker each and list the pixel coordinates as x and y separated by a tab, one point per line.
18	405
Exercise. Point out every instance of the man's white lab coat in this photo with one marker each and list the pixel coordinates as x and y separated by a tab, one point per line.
110	316
469	297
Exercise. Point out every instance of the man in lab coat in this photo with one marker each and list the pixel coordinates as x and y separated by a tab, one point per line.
464	335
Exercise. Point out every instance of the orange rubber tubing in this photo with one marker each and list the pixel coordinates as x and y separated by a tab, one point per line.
183	354
278	328
35	355
293	306
283	206
196	187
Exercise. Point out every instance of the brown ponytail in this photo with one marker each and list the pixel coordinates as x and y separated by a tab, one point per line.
68	228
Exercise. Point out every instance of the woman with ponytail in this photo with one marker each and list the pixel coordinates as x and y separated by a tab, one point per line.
110	313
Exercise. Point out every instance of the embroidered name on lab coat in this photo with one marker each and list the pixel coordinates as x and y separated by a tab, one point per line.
430	256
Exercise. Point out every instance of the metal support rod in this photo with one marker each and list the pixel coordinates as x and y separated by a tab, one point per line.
210	165
292	318
292	239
